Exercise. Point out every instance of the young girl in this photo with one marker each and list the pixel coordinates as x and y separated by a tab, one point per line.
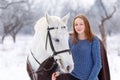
85	50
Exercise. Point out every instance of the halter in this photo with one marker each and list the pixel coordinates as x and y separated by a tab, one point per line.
51	43
53	50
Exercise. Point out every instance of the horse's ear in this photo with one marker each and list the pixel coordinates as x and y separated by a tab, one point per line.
48	19
65	18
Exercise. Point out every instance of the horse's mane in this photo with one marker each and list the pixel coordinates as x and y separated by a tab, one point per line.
40	23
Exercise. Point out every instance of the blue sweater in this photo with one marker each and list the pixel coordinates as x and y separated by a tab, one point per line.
87	59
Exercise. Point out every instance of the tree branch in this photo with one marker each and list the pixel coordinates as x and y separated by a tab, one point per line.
102	5
109	16
5	7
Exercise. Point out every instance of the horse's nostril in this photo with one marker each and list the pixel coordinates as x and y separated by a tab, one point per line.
68	68
57	40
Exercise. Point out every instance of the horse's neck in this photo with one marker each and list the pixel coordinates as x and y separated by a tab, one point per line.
38	42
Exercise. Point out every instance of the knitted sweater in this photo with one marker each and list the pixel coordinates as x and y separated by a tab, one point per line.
86	58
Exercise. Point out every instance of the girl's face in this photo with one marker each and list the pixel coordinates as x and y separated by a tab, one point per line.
79	26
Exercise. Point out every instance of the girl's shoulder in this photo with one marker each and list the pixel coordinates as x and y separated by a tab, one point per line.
95	39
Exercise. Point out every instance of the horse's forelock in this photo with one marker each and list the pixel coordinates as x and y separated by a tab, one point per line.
41	24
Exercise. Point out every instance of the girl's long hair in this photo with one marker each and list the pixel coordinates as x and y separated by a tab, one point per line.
88	32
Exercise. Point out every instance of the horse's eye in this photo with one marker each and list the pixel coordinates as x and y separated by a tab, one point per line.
57	40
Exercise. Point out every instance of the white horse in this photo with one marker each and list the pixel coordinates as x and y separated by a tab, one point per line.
50	39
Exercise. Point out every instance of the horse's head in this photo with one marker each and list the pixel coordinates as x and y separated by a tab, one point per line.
58	31
57	43
49	48
51	38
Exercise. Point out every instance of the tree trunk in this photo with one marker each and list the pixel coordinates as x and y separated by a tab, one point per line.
3	37
103	33
14	38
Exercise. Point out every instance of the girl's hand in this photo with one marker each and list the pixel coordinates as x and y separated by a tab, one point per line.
54	75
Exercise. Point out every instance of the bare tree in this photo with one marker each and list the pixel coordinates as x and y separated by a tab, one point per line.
9	4
14	17
102	24
99	14
12	28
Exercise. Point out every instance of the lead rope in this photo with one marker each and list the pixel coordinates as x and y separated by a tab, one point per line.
35	59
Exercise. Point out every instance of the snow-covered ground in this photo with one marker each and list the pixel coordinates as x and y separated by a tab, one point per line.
113	50
13	58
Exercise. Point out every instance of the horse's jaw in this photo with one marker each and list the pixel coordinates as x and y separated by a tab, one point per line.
65	63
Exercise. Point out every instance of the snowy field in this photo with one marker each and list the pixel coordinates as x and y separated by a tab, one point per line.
13	58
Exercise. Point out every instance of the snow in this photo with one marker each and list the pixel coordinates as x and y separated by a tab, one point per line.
114	56
13	58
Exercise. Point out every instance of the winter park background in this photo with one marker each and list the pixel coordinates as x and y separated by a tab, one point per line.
27	12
